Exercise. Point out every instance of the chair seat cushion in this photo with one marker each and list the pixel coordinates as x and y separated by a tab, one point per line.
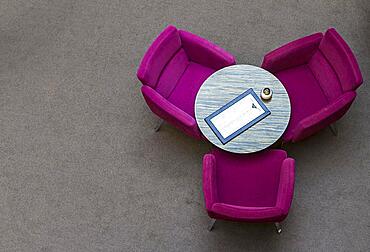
248	180
172	73
183	95
305	93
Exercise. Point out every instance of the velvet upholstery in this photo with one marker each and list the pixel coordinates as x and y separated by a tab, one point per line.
255	188
158	55
298	95
320	74
183	96
340	56
204	52
172	71
325	76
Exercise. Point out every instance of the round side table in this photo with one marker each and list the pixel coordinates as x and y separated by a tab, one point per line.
229	82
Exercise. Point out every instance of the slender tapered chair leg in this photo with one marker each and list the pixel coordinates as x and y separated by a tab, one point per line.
158	126
211	224
278	227
334	129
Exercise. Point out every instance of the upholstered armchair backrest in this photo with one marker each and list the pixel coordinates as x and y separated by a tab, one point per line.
334	66
164	62
341	59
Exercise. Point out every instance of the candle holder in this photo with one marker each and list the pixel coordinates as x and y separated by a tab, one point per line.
266	94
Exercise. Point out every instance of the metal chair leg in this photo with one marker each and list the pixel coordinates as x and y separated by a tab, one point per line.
211	224
278	227
158	126
334	129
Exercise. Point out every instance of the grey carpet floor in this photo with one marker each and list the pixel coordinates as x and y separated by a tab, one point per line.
81	168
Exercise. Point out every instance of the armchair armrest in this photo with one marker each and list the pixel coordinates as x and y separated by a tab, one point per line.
247	213
170	113
204	52
286	186
209	180
292	54
323	117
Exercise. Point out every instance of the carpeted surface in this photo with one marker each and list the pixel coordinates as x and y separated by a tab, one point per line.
81	168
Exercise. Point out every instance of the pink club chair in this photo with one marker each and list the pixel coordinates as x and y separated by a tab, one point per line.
172	71
252	188
321	75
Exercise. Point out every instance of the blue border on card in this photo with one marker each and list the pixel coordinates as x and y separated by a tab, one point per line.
245	127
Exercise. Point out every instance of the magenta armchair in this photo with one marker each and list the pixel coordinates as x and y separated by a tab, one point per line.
172	71
320	74
252	188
